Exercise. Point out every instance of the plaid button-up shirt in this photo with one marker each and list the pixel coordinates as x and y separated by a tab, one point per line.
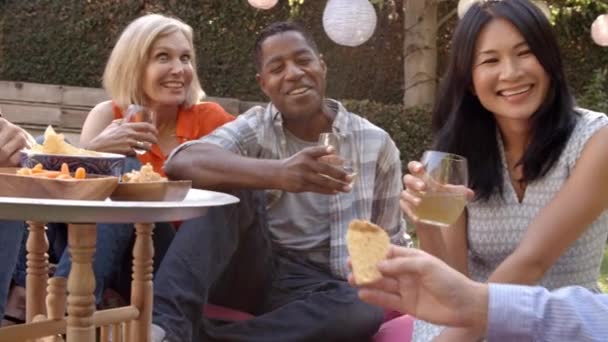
258	133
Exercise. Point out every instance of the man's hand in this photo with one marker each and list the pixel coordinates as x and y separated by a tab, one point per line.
12	139
425	287
304	171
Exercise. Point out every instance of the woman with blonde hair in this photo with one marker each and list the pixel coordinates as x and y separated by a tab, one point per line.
153	65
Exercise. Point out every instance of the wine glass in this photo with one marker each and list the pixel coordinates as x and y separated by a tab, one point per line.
341	156
138	113
446	177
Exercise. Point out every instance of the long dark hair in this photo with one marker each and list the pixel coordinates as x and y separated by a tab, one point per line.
463	126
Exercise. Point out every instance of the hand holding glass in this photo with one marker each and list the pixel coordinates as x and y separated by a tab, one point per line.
446	177
337	158
137	113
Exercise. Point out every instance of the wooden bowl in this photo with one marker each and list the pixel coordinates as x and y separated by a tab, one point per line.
152	191
94	187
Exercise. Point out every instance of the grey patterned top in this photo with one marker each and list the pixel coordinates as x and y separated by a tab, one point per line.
494	228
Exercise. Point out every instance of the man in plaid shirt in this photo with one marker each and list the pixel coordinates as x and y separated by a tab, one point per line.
280	253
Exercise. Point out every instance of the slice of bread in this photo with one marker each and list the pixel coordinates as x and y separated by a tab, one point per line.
367	245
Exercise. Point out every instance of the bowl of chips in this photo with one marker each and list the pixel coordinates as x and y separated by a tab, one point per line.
38	182
55	151
147	185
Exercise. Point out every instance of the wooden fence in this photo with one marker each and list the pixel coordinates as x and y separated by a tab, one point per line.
34	106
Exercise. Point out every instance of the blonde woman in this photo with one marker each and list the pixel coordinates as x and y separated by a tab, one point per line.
152	64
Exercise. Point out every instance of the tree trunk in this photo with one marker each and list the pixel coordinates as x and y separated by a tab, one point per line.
420	52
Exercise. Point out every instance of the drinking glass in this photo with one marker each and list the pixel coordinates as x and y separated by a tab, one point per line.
138	113
446	177
341	156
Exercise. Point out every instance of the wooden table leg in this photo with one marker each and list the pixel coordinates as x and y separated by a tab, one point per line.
81	283
141	285
37	270
56	294
55	304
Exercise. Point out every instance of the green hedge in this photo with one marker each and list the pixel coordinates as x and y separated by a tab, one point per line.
409	129
68	42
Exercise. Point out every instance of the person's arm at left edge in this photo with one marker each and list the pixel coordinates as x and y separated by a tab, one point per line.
12	139
386	211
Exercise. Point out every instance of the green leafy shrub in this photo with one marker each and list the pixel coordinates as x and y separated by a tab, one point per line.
411	129
68	42
595	93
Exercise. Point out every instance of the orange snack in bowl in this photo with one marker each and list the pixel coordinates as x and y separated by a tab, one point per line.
65	169
80	173
64	173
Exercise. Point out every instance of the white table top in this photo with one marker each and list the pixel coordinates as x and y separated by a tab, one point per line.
73	211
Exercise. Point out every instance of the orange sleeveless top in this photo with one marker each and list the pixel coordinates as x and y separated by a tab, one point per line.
193	123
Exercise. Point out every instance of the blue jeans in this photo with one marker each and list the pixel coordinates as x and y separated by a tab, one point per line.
112	261
11	234
226	258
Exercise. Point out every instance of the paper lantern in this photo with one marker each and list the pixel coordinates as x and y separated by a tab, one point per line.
349	22
263	4
464	5
599	30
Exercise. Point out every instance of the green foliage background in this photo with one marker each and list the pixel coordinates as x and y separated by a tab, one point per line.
68	42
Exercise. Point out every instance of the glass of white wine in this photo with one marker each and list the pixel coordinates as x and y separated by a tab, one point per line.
341	156
446	177
138	113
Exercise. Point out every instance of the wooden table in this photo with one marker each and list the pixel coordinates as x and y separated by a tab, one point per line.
46	303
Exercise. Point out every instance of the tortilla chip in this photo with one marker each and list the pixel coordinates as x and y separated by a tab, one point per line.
55	144
367	245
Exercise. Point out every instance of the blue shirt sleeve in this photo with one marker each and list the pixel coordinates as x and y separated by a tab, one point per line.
522	313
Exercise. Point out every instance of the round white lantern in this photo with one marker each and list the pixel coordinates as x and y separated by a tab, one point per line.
349	22
263	4
599	30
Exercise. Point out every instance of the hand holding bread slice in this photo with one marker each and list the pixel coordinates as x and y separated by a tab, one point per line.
367	245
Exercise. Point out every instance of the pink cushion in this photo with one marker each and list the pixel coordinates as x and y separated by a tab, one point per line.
391	314
396	330
397	327
224	313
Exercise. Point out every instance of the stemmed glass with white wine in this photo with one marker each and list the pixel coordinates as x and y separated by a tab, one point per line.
446	176
342	156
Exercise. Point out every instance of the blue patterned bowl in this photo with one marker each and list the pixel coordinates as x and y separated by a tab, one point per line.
102	164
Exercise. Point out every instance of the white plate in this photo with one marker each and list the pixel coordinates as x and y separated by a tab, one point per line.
72	211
